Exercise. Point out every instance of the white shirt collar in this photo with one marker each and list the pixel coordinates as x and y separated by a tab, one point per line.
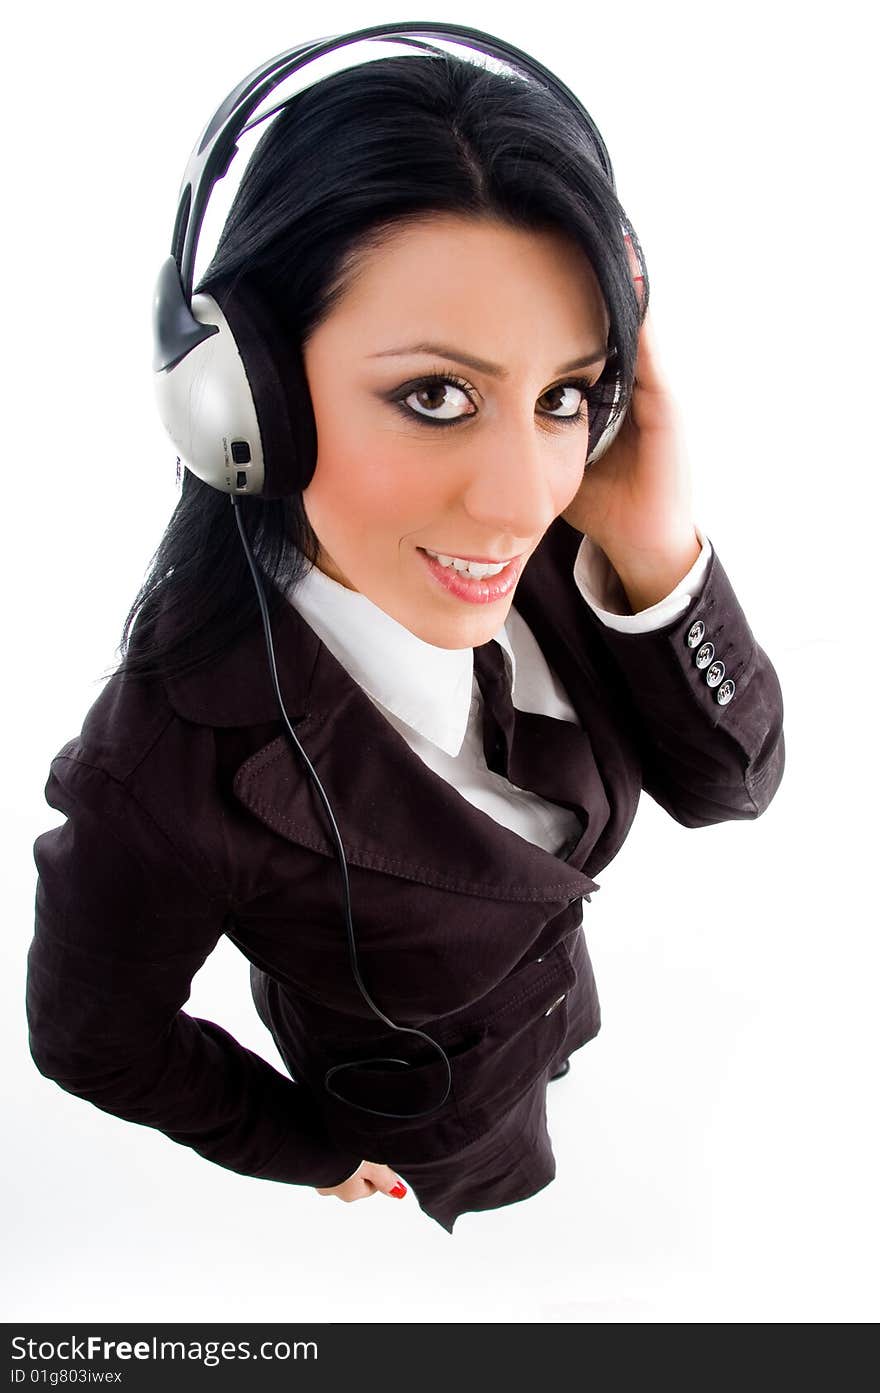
429	688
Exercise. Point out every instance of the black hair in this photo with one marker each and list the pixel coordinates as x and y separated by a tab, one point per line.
344	165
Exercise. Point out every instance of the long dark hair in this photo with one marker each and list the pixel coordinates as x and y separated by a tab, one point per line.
343	166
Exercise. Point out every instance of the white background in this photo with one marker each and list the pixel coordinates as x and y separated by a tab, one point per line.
716	1144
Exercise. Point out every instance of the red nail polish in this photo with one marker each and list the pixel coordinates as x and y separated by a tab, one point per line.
399	1190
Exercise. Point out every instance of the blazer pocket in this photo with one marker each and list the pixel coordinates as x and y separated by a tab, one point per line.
414	1088
496	1049
520	1040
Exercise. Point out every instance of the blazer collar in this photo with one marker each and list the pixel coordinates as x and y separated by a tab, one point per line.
235	688
427	687
394	814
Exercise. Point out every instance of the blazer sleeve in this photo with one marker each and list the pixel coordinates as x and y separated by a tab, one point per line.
122	926
703	761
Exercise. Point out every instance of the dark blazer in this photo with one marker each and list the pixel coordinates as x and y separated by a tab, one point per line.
189	816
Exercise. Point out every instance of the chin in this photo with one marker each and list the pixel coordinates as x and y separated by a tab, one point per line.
468	631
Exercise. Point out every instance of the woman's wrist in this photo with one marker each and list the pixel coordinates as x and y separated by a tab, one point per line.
648	578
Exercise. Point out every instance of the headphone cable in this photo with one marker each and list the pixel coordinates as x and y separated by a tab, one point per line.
340	853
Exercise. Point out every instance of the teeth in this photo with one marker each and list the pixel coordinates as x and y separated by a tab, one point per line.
478	569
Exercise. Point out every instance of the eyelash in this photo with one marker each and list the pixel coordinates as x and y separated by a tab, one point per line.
450	379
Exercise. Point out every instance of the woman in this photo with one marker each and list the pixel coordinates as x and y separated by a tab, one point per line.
488	652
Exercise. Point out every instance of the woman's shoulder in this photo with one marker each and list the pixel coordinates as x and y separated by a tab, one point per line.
132	746
144	779
129	719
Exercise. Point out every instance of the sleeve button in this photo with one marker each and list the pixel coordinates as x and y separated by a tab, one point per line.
695	633
725	692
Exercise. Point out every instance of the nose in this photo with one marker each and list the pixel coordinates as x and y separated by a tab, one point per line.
510	490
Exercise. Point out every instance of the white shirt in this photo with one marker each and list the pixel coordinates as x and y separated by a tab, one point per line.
431	697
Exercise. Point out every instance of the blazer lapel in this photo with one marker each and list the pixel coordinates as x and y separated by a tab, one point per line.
394	814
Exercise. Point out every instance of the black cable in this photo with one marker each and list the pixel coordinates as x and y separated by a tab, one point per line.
380	1059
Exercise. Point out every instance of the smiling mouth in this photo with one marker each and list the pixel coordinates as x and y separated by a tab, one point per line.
478	583
479	567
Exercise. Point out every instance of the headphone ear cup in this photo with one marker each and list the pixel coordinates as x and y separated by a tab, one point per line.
278	390
605	416
206	405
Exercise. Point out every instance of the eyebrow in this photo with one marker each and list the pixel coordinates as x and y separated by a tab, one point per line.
480	364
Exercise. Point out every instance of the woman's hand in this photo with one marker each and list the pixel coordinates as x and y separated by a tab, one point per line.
635	500
368	1179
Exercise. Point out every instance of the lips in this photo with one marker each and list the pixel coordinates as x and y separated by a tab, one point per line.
464	587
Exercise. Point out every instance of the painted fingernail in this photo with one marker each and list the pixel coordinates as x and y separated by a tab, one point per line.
399	1191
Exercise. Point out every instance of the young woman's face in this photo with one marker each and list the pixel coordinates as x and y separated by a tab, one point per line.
476	466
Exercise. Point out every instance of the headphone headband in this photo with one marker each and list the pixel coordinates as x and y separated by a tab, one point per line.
217	147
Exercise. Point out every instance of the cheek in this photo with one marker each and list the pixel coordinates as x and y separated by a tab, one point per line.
380	484
569	479
404	492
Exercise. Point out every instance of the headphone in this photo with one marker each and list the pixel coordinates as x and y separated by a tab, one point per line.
224	391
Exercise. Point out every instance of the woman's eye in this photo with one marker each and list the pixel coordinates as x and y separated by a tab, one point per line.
439	399
577	391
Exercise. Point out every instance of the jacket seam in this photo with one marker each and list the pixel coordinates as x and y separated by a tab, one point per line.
75	760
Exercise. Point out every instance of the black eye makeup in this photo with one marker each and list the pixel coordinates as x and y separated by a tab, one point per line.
432	383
